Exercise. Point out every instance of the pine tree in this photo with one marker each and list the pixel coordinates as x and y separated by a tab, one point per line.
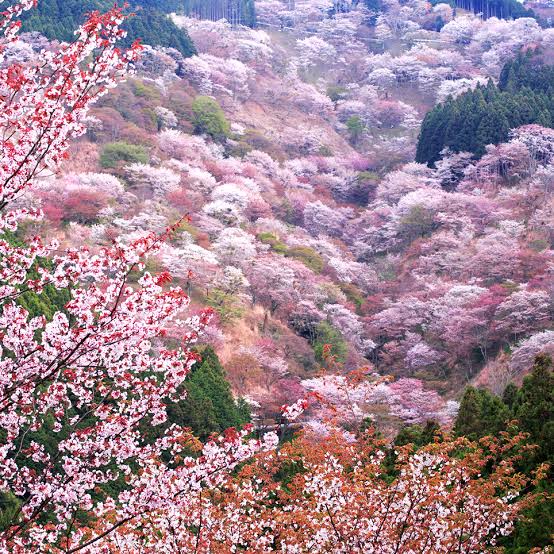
481	414
493	129
534	406
468	422
209	406
468	123
509	396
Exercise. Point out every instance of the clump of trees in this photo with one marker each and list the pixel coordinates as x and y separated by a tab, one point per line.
503	9
209	119
486	114
529	408
115	152
236	12
208	406
57	19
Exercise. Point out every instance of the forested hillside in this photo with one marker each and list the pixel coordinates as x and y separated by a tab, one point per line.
310	223
257	295
487	114
58	19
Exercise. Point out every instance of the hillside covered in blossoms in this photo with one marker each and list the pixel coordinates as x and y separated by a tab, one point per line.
353	201
291	153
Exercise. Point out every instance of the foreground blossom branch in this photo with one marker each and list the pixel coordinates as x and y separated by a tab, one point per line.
75	388
342	497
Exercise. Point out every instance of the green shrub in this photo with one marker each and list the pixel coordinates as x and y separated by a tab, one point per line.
274	242
336	93
326	334
142	90
355	128
238	149
353	294
538	245
115	152
308	256
209	119
325	151
227	306
368	176
256	140
418	222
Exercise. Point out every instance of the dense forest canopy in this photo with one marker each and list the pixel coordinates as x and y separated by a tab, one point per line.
57	19
237	12
503	9
485	115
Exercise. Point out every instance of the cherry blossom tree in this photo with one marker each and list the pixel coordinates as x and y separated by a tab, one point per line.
495	256
235	247
451	167
382	77
272	281
212	74
351	327
227	213
461	29
86	375
166	118
412	403
524	355
148	181
314	50
522	312
458	87
321	219
273	366
232	280
342	501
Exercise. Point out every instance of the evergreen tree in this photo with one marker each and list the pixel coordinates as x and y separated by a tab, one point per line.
531	407
57	19
417	435
480	414
209	406
534	406
468	123
329	341
503	9
237	12
493	129
509	396
355	128
468	422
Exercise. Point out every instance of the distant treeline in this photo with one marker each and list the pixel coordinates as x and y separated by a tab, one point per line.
503	9
237	12
524	95
57	19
